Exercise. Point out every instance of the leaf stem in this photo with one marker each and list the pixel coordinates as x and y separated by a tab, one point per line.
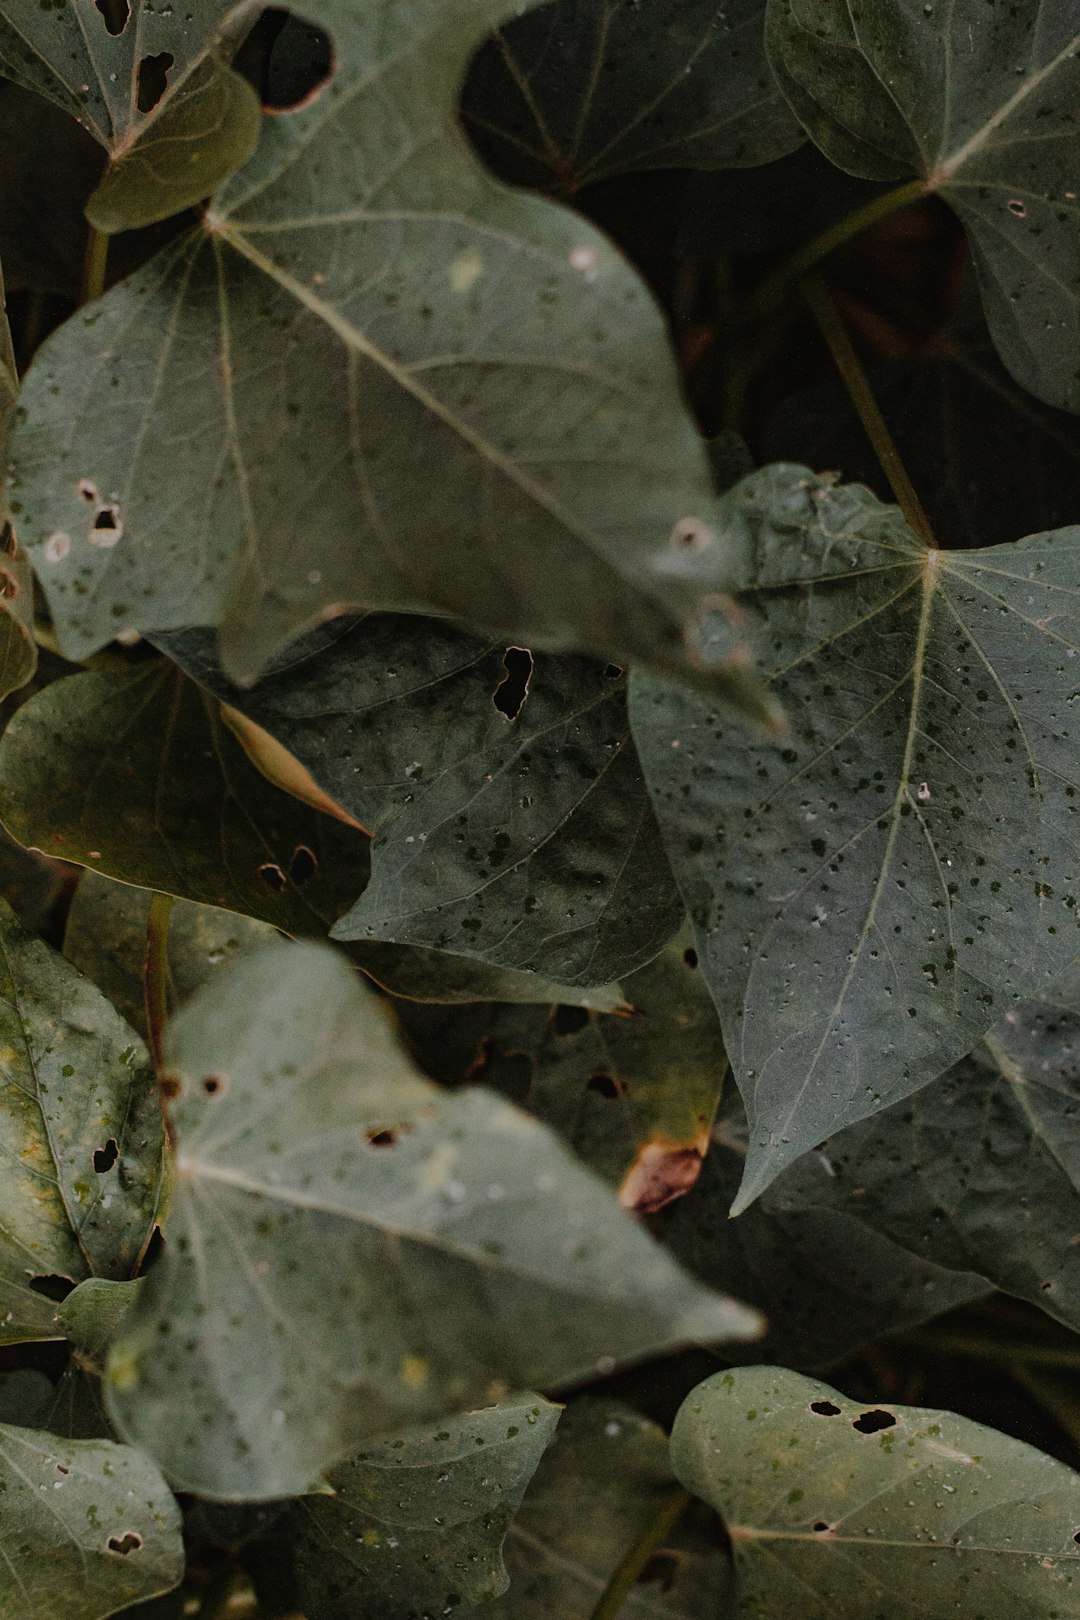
773	289
94	267
156	976
625	1577
836	335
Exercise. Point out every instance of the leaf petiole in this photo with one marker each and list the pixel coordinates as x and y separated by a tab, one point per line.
655	1533
156	975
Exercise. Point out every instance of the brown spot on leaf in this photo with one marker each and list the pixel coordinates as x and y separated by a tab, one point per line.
662	1172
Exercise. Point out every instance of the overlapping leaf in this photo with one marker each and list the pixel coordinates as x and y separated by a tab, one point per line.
982	105
392	1251
872	894
367	360
510	817
18	652
837	1511
152	85
418	1523
582	89
80	1134
88	1527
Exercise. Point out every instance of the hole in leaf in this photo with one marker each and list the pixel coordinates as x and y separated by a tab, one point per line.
52	1287
214	1085
1015	206
606	1085
382	1139
660	1570
513	689
115	13
273	876
88	490
107	527
612	672
873	1422
689	956
129	1542
303	866
568	1020
104	1158
153	79
300	63
1076	1537
825	1408
819	1527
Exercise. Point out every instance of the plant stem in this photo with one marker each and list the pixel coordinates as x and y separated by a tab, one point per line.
156	975
820	247
653	1536
836	335
94	266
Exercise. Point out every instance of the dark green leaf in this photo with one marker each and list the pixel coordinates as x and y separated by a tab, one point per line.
81	1135
837	1511
902	867
573	92
18	652
511	821
981	104
505	368
391	1250
418	1522
88	1528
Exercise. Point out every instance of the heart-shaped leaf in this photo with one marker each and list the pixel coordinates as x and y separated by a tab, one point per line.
839	1511
392	1251
904	865
80	1131
983	108
418	1522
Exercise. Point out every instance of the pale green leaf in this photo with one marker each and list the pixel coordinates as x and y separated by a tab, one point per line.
574	92
368	358
88	1528
80	1133
353	1250
418	1522
981	103
841	1511
872	892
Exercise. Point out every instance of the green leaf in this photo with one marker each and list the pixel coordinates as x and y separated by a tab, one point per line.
837	1511
633	1096
392	1251
983	109
575	92
88	1318
418	1522
18	651
81	1135
902	867
510	817
88	1527
601	1484
505	369
164	154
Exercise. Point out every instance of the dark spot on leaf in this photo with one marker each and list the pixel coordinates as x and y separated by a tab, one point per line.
873	1422
153	78
129	1542
819	1527
568	1020
384	1138
606	1085
661	1172
303	866
660	1570
115	13
690	957
52	1287
170	1086
272	876
104	1158
513	689
825	1408
61	1468
215	1085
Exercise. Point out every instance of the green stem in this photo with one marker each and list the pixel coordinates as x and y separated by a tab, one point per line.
653	1536
94	267
156	976
836	335
773	289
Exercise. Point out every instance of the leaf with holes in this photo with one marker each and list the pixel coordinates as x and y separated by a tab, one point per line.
837	1511
904	865
369	357
634	1096
510	817
394	1251
602	1484
418	1522
88	1527
981	105
574	92
81	1135
152	85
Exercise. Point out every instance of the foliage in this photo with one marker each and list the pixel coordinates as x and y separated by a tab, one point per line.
539	713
